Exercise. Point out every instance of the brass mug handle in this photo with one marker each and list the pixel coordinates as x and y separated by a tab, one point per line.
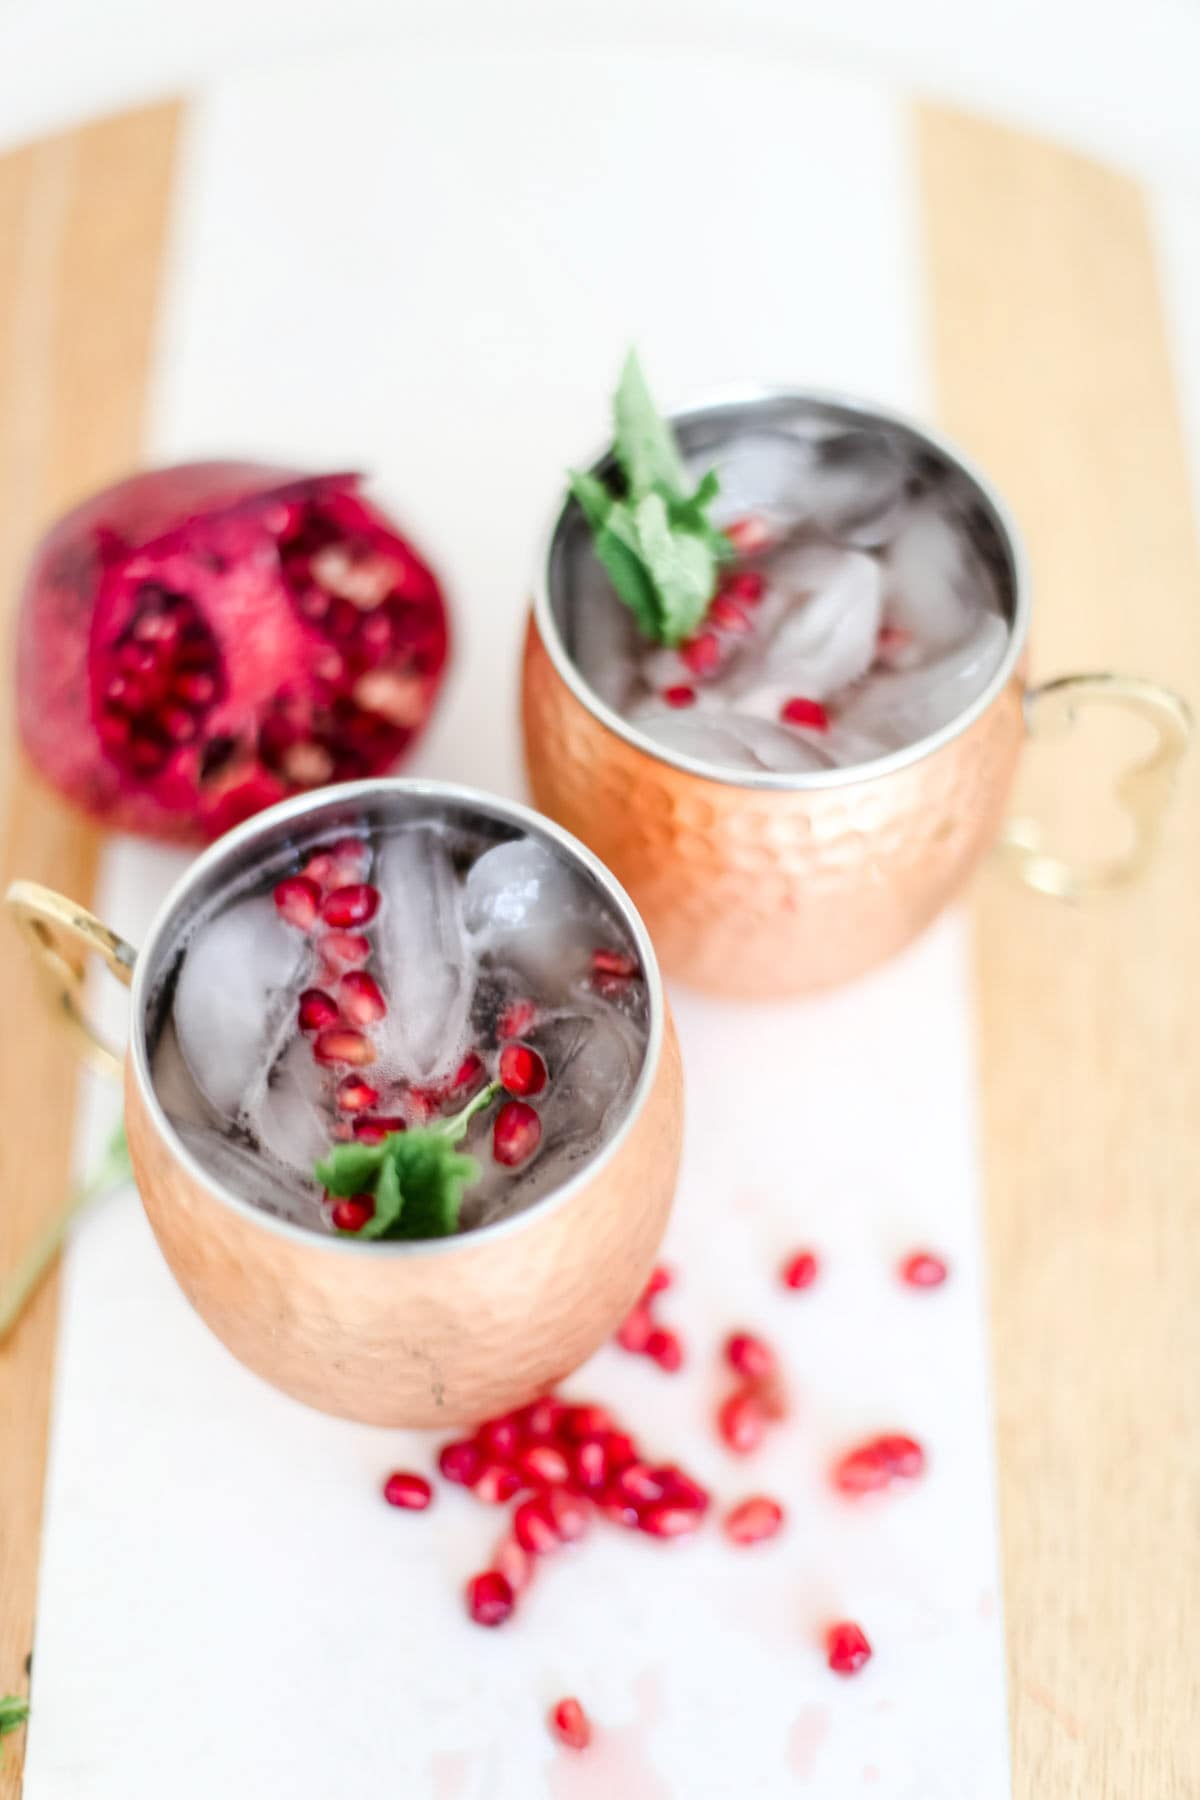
60	934
1145	788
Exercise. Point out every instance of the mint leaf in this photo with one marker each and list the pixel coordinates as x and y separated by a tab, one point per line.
681	566
14	1710
433	1177
595	501
389	1199
352	1168
644	444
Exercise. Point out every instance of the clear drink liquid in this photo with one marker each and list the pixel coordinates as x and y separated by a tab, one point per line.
867	607
281	1034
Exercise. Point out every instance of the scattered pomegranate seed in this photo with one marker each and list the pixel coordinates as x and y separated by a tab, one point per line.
923	1269
317	1011
350	858
373	1129
668	1521
533	1529
809	713
747	586
749	1355
412	1492
679	695
569	1514
847	1648
298	899
342	1045
681	1490
522	1070
361	998
613	962
742	1422
516	1134
570	1725
726	613
346	947
637	1484
540	1418
579	1422
589	1466
542	1464
355	1095
702	653
353	1214
517	1019
801	1270
666	1349
354	904
619	1450
515	1564
461	1461
468	1074
875	1465
499	1437
660	1280
633	1334
495	1483
319	869
749	534
490	1598
753	1521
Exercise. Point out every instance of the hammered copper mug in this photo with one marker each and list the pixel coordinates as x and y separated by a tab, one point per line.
437	1332
766	885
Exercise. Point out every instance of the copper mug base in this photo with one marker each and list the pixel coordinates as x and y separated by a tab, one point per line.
443	1332
764	888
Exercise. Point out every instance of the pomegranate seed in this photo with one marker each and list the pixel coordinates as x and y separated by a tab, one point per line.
349	947
634	1333
666	1349
344	1046
681	1490
495	1484
351	859
490	1598
702	653
373	1130
353	1214
905	1456
317	1010
569	1515
461	1461
522	1070
800	1270
742	1422
680	695
298	900
747	585
542	1464
637	1484
533	1529
516	1134
667	1521
877	1464
412	1492
589	1466
728	615
356	1095
847	1648
752	1521
619	1450
469	1073
500	1437
621	1513
515	1564
360	997
660	1280
570	1725
749	1355
809	713
923	1269
319	868
580	1422
539	1419
771	1396
748	535
613	962
351	905
517	1019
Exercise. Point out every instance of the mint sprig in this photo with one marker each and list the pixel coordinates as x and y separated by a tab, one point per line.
14	1710
416	1178
656	540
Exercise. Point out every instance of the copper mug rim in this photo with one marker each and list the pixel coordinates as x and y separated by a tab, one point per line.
134	966
857	410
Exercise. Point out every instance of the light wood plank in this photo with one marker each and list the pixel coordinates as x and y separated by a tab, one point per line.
82	226
1052	368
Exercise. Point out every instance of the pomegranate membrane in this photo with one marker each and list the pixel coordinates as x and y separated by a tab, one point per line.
199	642
860	604
392	977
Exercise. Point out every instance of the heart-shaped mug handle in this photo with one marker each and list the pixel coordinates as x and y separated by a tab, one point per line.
1144	789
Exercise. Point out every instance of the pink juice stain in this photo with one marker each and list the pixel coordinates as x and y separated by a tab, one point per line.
808	1733
616	1764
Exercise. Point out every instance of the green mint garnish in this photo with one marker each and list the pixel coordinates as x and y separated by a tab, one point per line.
417	1178
13	1713
656	540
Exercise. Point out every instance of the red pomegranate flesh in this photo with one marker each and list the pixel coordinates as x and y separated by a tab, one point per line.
201	641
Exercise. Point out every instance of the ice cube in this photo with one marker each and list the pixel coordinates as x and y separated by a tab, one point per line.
604	638
893	708
291	1116
524	907
935	583
236	990
762	473
731	740
427	966
816	645
855	490
253	1178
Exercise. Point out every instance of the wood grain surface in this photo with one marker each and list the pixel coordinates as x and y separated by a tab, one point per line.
82	227
1052	367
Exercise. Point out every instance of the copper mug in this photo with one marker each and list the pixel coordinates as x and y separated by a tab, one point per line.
430	1333
766	885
